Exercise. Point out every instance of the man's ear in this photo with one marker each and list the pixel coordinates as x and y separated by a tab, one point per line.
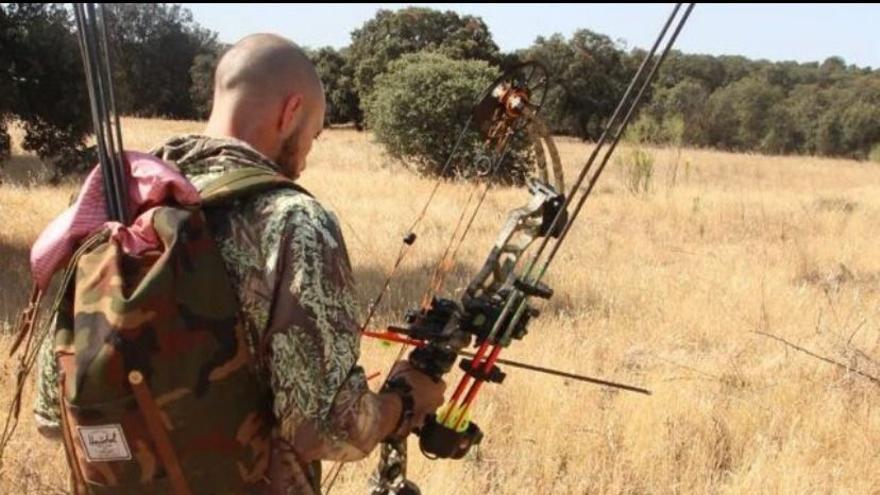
292	106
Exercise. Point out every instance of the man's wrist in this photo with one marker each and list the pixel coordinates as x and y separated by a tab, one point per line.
403	392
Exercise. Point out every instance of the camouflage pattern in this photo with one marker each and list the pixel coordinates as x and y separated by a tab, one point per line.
389	478
171	315
288	263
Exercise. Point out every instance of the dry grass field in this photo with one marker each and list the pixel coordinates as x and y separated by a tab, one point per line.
671	290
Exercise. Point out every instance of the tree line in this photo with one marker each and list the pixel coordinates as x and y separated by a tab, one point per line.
164	60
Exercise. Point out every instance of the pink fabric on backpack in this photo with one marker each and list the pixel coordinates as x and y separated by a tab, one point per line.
152	183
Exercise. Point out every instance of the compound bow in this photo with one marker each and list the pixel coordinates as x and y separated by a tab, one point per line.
496	307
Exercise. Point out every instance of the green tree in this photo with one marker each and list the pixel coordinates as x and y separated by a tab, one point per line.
740	114
42	83
837	120
676	114
588	75
337	76
859	114
392	34
806	104
7	85
201	73
155	47
708	71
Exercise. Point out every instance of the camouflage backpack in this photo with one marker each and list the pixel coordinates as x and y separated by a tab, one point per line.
158	390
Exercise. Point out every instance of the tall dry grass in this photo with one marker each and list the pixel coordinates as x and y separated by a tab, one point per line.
667	290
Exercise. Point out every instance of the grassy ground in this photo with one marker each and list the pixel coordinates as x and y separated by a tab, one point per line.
672	289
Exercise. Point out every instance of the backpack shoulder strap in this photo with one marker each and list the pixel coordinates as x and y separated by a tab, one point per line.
244	182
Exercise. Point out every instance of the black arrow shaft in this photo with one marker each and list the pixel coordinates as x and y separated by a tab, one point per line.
92	36
564	374
402	339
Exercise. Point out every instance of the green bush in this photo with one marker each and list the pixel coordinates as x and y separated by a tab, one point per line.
417	111
638	170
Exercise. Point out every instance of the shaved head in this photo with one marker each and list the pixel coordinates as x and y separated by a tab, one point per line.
265	66
268	94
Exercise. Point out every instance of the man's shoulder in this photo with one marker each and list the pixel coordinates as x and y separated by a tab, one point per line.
286	214
294	203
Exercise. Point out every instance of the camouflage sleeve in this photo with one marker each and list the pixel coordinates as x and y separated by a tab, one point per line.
47	412
321	399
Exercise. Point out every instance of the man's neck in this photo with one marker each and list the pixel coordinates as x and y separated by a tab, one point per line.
221	127
226	125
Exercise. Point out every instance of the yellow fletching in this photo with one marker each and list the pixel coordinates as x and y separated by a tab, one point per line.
453	418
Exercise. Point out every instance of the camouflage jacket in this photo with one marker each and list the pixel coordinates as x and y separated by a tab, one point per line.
289	264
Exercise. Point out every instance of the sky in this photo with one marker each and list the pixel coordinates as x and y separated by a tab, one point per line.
804	33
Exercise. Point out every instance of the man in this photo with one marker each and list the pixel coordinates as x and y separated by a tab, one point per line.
289	265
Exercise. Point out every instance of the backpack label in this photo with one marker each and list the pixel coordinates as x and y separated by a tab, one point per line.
104	443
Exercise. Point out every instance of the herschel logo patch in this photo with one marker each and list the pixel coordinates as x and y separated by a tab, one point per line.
104	443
